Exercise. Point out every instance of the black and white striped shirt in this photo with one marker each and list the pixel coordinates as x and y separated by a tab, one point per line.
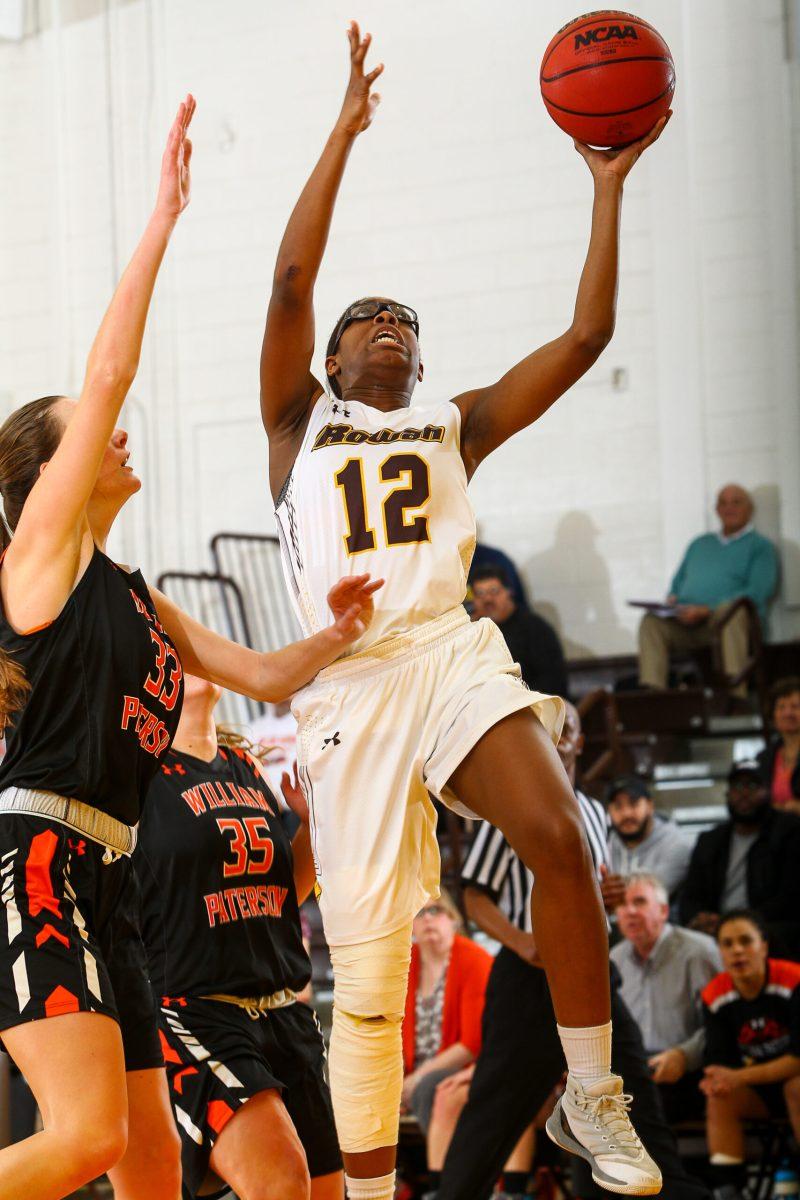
493	867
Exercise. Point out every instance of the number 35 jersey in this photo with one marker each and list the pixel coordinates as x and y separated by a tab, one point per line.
383	492
215	868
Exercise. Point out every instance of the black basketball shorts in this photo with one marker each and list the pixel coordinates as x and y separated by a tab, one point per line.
218	1057
69	935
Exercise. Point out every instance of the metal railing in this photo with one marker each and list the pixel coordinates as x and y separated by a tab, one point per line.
254	561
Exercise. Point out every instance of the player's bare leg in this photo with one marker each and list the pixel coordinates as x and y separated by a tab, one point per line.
75	1068
258	1153
513	778
151	1166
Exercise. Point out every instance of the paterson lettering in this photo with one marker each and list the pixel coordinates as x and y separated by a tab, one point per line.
152	733
604	33
242	903
346	435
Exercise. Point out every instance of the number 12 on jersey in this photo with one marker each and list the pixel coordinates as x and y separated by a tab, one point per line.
399	528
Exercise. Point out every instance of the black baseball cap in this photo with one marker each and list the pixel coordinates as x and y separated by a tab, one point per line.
633	785
747	769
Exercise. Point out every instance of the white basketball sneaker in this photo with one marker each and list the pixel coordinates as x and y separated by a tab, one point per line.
593	1122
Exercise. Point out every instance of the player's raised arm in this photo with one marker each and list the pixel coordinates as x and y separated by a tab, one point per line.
287	385
492	414
270	676
47	540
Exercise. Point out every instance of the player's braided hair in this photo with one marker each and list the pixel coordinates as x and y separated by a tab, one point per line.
28	438
330	348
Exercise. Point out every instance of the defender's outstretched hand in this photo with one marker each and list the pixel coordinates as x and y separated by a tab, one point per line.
175	185
350	601
617	163
359	104
294	795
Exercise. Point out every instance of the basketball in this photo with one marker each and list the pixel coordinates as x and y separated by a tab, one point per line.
607	77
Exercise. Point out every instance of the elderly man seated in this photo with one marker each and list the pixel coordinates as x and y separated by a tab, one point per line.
664	969
716	570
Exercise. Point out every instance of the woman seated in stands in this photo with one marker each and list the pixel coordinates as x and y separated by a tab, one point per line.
444	1008
752	1020
781	758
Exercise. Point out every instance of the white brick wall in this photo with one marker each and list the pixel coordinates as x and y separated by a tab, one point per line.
465	200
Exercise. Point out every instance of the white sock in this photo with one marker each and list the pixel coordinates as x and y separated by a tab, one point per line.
370	1189
725	1160
587	1051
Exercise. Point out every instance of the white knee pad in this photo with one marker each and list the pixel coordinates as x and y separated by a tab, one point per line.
366	1056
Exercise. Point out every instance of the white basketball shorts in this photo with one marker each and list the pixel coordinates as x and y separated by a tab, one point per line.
377	732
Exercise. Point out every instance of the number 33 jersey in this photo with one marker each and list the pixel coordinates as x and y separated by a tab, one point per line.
215	868
383	492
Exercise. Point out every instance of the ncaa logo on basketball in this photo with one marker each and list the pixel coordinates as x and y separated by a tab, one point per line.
604	33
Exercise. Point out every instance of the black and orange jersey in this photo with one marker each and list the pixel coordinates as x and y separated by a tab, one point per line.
106	688
742	1032
215	867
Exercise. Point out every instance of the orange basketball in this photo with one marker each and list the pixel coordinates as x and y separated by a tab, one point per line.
607	77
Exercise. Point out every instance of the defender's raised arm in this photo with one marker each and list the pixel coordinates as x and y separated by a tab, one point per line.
287	385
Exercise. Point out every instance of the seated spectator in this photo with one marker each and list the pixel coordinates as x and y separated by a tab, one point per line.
532	641
750	861
664	969
752	1054
780	761
444	1005
642	841
716	569
490	556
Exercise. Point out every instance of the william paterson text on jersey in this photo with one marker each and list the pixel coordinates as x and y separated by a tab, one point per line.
346	435
241	903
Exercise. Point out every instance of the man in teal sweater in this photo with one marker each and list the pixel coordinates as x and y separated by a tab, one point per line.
716	569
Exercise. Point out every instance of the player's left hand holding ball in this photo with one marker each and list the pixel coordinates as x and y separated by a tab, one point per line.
615	164
350	601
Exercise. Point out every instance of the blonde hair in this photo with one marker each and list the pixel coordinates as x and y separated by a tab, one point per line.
234	740
447	902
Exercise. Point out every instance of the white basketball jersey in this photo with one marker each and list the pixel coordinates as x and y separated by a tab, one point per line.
384	493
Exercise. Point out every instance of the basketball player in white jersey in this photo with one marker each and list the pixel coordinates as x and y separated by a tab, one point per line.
426	702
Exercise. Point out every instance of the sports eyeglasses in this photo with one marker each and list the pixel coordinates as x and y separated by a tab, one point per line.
365	310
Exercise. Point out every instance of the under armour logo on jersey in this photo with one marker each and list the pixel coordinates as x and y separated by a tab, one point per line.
335	740
78	846
342	410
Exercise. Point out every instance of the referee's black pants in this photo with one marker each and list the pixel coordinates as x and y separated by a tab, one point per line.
520	1063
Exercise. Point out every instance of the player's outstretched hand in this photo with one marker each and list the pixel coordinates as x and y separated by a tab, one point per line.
175	185
350	601
294	795
617	163
359	104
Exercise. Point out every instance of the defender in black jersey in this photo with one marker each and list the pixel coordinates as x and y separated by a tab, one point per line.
222	930
90	696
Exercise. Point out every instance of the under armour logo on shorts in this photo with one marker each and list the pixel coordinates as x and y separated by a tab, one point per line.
335	739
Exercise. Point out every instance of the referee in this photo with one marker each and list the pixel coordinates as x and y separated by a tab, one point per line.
521	1059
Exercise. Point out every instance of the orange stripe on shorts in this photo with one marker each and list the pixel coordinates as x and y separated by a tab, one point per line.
61	1001
218	1115
38	878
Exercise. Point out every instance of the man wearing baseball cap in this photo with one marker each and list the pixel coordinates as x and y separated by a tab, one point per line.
751	860
641	841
